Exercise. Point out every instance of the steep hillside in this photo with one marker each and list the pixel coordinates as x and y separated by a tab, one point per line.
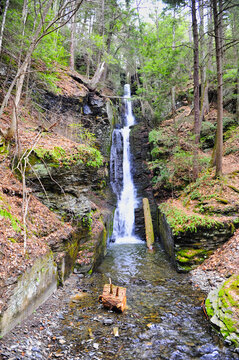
59	157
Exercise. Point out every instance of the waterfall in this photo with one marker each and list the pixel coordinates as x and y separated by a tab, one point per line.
121	177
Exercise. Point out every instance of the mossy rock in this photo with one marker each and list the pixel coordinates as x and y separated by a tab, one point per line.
222	305
189	258
190	253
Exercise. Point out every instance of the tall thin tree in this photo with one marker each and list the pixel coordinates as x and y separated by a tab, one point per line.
217	15
197	127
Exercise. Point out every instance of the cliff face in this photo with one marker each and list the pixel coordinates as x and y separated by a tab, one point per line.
140	149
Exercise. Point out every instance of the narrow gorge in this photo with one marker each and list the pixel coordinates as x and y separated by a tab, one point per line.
119	148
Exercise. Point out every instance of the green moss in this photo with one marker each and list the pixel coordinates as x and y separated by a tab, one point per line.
222	307
15	223
190	257
230	324
231	286
233	188
88	155
190	253
56	154
223	201
72	249
3	147
223	299
209	308
184	268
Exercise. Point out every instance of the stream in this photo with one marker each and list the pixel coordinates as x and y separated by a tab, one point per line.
163	319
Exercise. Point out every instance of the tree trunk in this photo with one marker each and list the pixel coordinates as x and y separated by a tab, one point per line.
210	39
13	126
173	87
3	23
190	37
21	72
97	76
24	20
20	76
72	42
235	29
218	43
197	128
204	86
108	45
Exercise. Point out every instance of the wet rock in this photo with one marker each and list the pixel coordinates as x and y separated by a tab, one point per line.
145	336
213	356
80	276
207	348
177	355
108	321
87	110
35	349
183	349
140	149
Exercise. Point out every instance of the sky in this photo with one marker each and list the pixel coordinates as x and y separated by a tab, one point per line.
146	7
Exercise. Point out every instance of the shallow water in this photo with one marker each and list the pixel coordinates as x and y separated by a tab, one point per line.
164	319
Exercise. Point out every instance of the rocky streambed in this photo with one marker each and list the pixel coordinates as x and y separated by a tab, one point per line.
163	320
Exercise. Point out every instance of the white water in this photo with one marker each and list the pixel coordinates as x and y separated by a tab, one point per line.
123	227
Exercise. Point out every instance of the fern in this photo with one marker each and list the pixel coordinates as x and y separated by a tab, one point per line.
15	223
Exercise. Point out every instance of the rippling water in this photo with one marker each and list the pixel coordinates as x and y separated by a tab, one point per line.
163	320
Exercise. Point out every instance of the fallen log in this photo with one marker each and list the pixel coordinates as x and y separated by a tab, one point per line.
113	297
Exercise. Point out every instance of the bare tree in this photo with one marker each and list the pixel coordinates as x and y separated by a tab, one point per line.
73	42
3	23
197	127
43	29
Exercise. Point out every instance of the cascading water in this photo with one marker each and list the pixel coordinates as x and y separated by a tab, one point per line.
121	178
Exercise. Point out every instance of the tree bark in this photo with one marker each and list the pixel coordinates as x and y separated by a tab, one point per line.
235	29
218	43
3	23
204	86
72	42
96	78
173	87
210	39
197	127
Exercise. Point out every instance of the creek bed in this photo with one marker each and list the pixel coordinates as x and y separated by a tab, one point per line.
163	320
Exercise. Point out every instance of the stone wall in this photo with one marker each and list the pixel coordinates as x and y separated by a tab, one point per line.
166	237
189	249
31	290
